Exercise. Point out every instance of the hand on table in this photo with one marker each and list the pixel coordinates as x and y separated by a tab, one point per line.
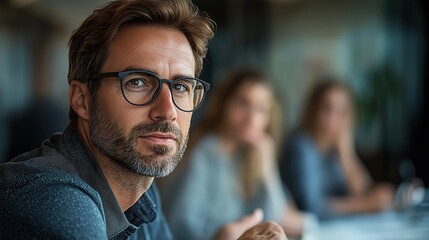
381	196
250	227
267	230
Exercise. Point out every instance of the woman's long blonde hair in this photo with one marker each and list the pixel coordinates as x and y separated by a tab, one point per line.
213	121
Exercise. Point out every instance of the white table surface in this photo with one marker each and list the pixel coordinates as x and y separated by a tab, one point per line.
409	225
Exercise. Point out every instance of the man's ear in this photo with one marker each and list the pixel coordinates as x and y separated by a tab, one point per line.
79	98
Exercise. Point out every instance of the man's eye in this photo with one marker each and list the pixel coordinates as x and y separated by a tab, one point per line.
180	88
136	84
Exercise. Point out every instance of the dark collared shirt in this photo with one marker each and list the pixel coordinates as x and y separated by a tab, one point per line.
58	191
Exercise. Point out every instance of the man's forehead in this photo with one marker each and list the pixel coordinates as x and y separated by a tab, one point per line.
169	54
152	41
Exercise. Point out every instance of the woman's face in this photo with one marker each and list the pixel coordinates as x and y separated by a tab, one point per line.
334	114
248	112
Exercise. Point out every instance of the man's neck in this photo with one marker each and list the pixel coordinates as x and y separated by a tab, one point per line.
126	185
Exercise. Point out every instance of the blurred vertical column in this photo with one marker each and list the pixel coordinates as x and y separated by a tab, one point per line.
419	137
242	37
26	107
17	38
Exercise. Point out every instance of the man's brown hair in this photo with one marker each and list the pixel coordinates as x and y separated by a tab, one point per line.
88	44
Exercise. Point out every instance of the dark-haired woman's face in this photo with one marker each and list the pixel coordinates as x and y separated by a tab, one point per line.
248	112
334	113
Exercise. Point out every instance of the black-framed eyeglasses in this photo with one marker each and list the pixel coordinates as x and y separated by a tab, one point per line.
140	87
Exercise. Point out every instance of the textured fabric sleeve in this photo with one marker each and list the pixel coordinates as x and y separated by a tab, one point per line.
301	171
51	207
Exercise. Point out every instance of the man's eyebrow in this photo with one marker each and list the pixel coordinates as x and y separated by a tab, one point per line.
177	76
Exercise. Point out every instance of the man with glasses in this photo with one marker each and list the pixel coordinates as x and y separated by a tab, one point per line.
132	93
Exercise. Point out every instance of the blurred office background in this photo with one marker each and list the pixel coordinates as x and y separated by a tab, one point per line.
379	46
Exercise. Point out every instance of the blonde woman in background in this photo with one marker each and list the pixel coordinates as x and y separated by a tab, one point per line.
231	167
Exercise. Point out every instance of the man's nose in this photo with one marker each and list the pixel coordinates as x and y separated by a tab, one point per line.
163	108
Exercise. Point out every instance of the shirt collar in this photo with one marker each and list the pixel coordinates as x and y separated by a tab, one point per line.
144	211
141	212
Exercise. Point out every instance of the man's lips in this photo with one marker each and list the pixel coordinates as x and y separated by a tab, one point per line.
159	138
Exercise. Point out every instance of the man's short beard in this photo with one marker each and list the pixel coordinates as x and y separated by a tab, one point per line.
111	140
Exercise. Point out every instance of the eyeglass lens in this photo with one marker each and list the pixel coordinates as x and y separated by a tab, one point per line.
140	88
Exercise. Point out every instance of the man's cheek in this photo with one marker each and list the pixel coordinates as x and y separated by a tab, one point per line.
184	121
127	120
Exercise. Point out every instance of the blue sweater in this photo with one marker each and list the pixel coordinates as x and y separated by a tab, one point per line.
311	176
58	191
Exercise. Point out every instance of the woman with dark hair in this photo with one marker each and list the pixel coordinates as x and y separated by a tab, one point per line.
319	163
231	167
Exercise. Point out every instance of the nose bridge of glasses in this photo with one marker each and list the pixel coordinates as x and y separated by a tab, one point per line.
169	85
166	81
